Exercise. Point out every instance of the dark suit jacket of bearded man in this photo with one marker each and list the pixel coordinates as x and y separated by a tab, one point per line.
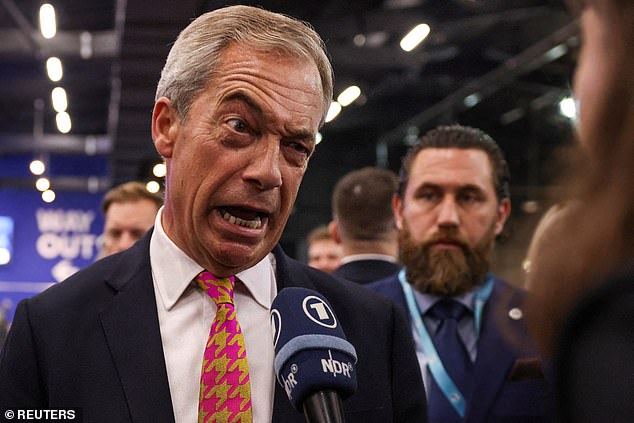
513	382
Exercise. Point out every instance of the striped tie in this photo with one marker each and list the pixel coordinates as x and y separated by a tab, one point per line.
225	394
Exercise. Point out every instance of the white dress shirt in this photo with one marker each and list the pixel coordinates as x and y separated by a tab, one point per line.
185	314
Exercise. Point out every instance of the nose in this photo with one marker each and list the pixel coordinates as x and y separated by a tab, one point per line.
448	214
264	170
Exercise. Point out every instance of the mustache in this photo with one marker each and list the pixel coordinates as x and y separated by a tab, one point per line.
447	235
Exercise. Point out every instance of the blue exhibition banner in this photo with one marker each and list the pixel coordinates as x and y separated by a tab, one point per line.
42	244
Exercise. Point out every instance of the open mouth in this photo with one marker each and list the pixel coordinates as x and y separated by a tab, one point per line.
244	217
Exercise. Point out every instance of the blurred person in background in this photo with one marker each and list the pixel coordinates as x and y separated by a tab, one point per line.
129	211
363	224
324	253
582	270
478	362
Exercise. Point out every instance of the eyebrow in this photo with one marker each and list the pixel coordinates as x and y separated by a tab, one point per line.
440	187
245	98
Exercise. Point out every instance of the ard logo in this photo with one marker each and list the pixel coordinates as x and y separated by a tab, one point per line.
319	311
276	325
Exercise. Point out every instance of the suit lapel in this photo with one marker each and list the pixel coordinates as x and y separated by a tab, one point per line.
132	331
495	357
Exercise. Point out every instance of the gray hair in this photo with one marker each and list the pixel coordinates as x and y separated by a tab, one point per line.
196	53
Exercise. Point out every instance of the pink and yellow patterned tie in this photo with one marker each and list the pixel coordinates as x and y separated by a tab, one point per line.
225	393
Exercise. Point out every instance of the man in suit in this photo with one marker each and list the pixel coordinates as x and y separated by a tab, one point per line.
129	211
478	362
363	223
237	108
324	253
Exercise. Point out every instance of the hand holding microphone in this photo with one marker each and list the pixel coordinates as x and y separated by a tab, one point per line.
314	362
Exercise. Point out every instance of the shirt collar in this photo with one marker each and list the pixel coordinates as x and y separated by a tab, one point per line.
427	301
173	270
359	257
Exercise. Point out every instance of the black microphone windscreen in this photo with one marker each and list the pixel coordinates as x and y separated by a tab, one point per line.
311	350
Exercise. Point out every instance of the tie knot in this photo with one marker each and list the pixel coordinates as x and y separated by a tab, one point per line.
219	289
448	309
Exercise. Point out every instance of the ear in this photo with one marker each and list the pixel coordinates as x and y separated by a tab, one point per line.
397	209
503	213
333	228
165	124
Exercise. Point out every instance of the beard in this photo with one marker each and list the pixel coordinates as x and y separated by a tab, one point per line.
447	272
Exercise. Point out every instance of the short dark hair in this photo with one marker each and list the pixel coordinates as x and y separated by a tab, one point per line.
362	203
465	138
130	192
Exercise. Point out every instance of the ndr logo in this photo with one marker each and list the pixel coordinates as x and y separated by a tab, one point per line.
290	382
319	311
336	367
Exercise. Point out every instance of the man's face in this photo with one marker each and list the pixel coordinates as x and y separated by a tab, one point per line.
448	219
235	164
325	254
125	223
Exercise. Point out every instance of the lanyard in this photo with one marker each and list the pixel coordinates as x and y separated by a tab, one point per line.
440	375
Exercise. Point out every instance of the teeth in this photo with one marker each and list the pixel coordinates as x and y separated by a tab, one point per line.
253	224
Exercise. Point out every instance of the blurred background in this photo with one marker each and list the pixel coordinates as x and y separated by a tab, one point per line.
77	98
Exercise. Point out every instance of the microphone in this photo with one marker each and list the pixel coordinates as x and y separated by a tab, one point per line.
314	362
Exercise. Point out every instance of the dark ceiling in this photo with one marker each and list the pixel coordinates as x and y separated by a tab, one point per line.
501	65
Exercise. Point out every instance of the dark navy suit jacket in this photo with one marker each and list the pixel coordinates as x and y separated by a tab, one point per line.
366	271
93	342
512	383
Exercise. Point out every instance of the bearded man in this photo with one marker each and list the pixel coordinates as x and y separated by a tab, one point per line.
477	360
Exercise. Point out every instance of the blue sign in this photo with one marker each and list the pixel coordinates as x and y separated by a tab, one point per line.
44	243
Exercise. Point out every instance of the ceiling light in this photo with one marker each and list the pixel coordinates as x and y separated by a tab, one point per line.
359	40
376	39
153	187
318	138
159	170
568	107
60	101
556	52
37	167
48	26
415	36
349	95
472	100
42	184
85	45
63	122
54	69
333	111
48	196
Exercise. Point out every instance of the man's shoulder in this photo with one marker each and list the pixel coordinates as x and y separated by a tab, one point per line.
84	289
338	286
389	285
506	292
333	287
